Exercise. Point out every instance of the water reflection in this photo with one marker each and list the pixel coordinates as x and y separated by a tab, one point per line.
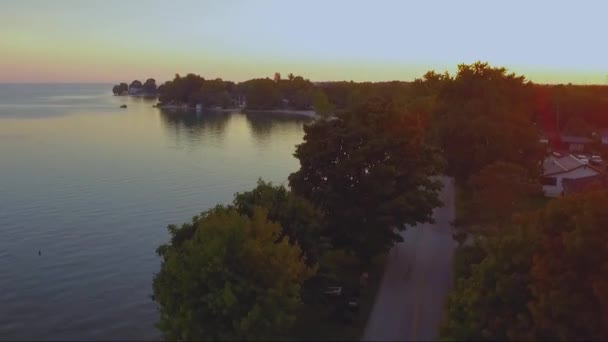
144	99
191	126
104	182
263	124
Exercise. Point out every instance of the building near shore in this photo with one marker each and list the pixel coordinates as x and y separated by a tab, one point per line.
564	174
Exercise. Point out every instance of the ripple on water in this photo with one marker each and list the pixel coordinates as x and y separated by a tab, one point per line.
97	204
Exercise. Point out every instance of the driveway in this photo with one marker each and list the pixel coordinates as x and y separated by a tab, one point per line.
418	274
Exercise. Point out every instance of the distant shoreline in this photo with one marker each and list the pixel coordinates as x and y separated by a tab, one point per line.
294	112
307	113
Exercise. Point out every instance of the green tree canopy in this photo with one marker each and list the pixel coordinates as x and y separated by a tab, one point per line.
577	126
182	89
484	115
569	276
498	191
544	279
228	276
136	84
262	93
150	86
120	88
490	304
300	221
321	103
370	171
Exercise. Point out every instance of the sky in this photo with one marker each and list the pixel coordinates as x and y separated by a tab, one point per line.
111	41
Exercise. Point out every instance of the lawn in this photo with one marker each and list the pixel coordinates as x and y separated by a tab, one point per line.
316	322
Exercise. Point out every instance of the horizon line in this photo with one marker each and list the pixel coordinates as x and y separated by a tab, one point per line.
267	77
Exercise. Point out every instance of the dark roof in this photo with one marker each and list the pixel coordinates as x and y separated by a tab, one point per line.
555	165
575	185
567	163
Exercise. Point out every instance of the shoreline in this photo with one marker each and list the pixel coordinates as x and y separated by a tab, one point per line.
307	113
294	112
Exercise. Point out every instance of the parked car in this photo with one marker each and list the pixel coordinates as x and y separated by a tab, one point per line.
596	160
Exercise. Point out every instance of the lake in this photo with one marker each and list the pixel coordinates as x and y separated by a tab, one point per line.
93	187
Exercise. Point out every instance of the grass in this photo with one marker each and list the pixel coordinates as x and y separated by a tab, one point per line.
316	322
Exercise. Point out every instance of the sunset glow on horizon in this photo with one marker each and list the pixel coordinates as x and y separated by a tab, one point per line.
78	41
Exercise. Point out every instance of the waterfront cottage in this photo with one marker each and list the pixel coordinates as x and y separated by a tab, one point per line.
557	170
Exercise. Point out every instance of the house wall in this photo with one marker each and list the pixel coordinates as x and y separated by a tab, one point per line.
556	190
576	147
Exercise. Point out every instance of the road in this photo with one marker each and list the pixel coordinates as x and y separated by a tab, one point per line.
418	274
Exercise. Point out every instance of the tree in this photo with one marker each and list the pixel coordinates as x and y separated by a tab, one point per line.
185	90
262	94
300	221
499	190
300	93
321	103
135	85
569	275
119	89
150	86
490	303
544	279
228	276
485	115
578	127
369	170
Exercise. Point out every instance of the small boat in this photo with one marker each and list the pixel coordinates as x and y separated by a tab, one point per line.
123	106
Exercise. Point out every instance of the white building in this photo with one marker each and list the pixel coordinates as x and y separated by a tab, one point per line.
556	169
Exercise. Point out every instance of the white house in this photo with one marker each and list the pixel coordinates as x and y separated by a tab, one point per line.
575	143
556	169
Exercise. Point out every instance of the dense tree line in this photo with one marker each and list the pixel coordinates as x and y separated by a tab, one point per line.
533	271
367	168
545	278
136	87
551	107
586	103
243	270
193	89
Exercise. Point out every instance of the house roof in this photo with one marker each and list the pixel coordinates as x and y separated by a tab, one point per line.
553	165
567	163
574	185
573	139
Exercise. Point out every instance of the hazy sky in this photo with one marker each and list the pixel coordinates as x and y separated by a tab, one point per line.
111	41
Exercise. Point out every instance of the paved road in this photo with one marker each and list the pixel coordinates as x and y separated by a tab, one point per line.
418	275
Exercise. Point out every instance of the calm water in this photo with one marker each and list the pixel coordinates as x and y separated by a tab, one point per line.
93	187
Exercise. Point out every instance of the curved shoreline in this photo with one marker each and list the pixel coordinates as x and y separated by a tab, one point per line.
306	113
